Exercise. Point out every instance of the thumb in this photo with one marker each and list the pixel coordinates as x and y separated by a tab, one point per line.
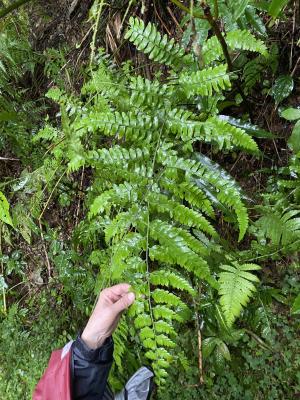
124	302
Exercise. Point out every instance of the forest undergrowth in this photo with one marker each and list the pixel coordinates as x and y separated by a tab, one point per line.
156	143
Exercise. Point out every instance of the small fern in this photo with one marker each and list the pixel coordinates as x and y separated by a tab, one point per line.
236	288
280	228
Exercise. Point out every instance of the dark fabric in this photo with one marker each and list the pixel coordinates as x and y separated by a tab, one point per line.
90	370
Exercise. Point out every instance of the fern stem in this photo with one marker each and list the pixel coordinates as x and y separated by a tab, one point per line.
198	327
270	254
147	237
148	270
215	26
214	23
12	7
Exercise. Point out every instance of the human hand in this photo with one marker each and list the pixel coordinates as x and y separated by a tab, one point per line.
105	317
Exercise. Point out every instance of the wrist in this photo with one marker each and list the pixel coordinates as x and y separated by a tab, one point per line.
92	342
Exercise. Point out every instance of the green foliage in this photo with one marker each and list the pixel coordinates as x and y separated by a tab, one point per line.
129	167
282	88
236	288
255	70
276	7
159	48
153	200
17	111
4	210
236	40
296	305
280	228
267	351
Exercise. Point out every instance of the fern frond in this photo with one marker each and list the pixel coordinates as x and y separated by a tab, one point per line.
179	123
164	341
120	155
205	82
228	136
216	184
146	332
159	48
146	93
162	326
245	40
236	288
119	195
121	223
120	345
211	50
164	312
142	320
130	125
4	210
280	228
252	72
103	82
191	193
170	238
181	213
165	297
171	279
236	40
125	255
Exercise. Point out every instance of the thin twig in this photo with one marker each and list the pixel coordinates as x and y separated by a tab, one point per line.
295	67
52	191
174	19
9	159
161	20
93	43
79	201
45	250
40	224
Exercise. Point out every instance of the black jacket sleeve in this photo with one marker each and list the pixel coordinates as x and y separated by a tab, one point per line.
90	369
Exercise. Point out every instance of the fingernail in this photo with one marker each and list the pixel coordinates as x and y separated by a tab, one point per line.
131	297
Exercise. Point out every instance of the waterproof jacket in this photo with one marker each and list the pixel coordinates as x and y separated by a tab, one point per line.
78	373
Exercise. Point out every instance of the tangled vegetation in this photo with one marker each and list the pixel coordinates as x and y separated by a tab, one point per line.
161	148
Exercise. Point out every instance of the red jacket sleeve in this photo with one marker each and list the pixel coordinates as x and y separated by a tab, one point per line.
55	384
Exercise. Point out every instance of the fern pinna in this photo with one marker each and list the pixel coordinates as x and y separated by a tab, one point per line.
153	198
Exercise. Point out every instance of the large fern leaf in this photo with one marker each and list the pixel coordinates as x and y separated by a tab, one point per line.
236	288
